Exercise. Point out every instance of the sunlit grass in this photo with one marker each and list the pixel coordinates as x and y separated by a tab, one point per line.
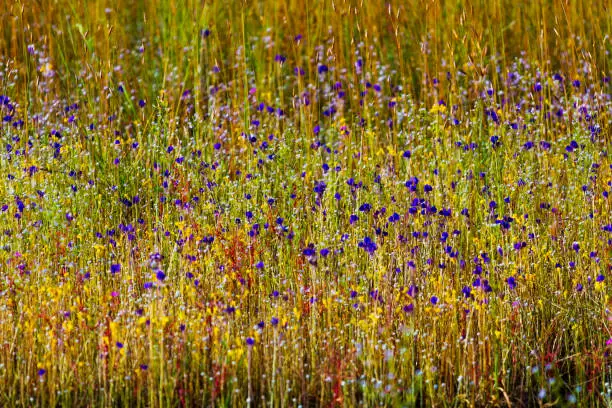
320	204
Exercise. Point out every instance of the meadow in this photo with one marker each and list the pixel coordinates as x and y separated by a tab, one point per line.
293	203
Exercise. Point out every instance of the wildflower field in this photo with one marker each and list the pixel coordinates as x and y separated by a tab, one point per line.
290	203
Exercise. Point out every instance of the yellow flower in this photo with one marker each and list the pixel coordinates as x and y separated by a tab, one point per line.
67	326
45	68
438	108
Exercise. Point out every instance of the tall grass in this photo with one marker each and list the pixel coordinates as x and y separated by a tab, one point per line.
292	203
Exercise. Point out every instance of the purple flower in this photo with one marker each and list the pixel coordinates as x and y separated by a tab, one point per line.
115	268
250	341
309	251
320	187
365	207
368	245
394	217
